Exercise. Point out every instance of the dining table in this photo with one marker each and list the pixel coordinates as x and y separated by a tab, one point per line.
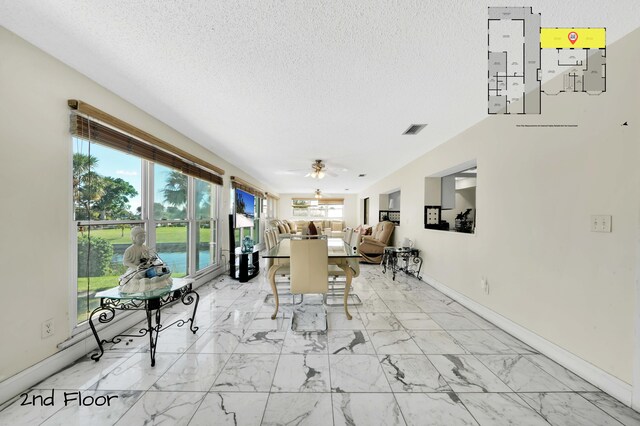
340	254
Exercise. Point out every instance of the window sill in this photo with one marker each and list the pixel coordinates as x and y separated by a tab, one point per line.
450	231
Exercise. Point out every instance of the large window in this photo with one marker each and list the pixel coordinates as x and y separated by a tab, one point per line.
113	192
107	200
307	208
207	224
271	208
171	218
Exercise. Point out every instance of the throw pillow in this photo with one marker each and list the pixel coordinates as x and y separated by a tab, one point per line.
312	229
336	226
286	227
281	228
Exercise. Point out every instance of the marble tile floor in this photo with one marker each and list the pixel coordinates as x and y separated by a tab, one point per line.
410	356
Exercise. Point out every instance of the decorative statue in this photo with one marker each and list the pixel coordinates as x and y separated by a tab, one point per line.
137	253
247	245
145	271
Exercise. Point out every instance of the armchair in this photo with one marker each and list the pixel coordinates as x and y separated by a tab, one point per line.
372	246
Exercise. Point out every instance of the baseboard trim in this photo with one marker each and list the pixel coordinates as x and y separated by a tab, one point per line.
18	383
82	343
608	383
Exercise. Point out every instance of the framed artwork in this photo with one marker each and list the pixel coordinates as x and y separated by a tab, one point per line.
390	215
432	216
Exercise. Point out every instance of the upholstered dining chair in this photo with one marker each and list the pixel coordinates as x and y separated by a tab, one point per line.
271	239
346	236
337	284
355	239
309	263
267	239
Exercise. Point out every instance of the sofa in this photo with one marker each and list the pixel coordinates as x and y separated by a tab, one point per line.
286	228
372	246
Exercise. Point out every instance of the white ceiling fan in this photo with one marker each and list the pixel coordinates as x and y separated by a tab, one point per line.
320	170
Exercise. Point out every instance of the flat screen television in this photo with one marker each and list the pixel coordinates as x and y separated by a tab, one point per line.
245	209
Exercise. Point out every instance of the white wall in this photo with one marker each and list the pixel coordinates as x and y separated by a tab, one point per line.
395	199
350	210
36	214
537	188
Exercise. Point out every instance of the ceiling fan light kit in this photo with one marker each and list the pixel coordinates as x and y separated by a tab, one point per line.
318	172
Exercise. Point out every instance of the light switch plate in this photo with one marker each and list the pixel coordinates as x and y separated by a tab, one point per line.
600	223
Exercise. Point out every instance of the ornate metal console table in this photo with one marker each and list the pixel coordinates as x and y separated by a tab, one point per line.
402	259
149	301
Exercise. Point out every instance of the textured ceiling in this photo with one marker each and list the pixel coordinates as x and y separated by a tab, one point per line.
272	85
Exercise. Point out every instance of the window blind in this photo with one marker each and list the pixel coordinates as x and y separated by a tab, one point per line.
321	201
116	134
275	197
237	183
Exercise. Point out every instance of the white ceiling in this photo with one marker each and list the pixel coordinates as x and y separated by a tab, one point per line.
271	86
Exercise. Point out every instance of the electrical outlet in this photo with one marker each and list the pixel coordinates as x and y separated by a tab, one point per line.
600	223
47	328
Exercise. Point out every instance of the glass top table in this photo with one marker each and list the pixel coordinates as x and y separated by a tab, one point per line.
338	249
114	293
339	254
151	302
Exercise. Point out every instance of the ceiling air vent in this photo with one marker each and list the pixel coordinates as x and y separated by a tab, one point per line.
414	129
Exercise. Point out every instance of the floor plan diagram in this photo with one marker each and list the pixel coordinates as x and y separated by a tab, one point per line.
523	56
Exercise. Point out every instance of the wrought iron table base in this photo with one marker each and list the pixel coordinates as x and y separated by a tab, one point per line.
403	260
109	306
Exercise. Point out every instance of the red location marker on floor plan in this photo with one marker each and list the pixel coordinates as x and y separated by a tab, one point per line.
573	37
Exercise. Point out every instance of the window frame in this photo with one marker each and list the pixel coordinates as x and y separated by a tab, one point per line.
194	228
148	222
316	206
